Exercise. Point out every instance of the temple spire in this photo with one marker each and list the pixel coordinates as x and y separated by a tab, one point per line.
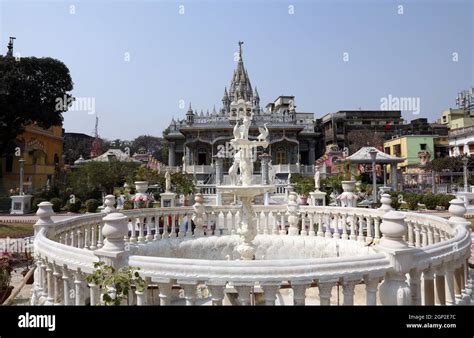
240	50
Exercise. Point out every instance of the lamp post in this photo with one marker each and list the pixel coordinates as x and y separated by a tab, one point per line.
22	164
465	160
373	156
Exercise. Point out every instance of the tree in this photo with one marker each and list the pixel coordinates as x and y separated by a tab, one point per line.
91	178
453	164
30	90
151	144
364	138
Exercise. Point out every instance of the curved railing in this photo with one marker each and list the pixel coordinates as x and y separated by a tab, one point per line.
405	250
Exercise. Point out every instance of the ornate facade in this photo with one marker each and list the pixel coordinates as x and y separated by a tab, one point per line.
195	140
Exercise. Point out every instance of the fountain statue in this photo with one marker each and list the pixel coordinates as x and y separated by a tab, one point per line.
241	184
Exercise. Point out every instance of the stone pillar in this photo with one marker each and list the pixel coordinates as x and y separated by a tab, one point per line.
415	286
219	169
325	292
217	293
269	293
293	214
394	289
171	154
371	285
393	176
429	293
458	284
312	152
440	292
114	230
449	275
265	160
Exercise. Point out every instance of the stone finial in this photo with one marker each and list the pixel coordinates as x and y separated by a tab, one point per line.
386	201
457	209
393	228
44	213
110	204
114	230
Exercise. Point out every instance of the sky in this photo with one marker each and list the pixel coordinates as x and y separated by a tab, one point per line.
140	63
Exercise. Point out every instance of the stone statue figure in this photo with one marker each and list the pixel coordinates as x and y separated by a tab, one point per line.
271	173
168	181
289	178
316	177
233	172
244	128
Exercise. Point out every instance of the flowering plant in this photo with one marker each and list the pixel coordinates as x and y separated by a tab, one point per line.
141	201
6	269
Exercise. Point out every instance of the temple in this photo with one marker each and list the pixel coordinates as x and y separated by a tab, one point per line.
195	140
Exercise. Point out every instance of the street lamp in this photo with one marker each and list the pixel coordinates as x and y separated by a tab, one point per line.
465	160
373	156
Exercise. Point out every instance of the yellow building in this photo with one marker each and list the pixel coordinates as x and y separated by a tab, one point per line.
417	149
42	150
457	118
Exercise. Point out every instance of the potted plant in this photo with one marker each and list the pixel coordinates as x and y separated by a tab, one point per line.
303	185
6	269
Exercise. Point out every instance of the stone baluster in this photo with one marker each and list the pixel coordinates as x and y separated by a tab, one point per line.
304	217
149	235
79	288
93	245
429	289
156	226
371	285
344	219
348	287
44	279
86	236
336	233
49	282
233	227
66	276
141	226
369	237
164	288
269	292
376	229
217	293
424	235
57	285
100	240
181	219
244	294
173	225
198	215
360	233
266	229
282	223
312	231
436	235
299	292
417	235
458	284
442	235
258	223
207	225
325	292
430	234
394	289
449	276
275	223
415	286
94	294
410	234
320	225
327	233
189	288
189	228
352	236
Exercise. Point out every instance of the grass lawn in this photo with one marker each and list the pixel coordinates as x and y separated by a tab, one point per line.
15	230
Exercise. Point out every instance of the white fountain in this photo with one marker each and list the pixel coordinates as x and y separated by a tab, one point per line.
241	183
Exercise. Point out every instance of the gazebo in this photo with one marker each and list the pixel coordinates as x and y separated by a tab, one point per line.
362	156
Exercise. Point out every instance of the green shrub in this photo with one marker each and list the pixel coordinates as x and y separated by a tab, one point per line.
412	200
394	196
57	204
430	200
127	205
92	205
36	201
444	200
74	207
